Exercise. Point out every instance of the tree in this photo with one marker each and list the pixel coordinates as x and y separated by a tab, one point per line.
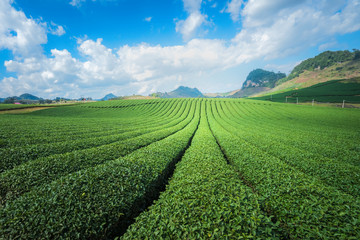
10	100
356	54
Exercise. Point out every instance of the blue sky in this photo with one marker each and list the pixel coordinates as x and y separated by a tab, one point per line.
73	48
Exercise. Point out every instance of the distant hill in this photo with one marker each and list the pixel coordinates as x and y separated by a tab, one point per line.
108	97
180	92
257	81
307	76
28	96
262	78
322	61
2	99
219	95
134	97
24	98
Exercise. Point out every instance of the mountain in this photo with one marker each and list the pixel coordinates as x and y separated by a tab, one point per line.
322	61
23	98
221	95
108	97
262	78
180	92
257	81
2	100
327	66
28	96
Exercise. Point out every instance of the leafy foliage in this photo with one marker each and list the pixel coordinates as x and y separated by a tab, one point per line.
215	202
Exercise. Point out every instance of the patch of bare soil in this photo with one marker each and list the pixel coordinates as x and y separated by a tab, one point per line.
23	110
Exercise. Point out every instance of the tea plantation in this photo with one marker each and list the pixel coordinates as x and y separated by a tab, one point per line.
180	169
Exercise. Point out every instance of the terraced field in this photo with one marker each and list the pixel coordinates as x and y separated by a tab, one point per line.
180	169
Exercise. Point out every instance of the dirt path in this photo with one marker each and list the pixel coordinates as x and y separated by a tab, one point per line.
23	110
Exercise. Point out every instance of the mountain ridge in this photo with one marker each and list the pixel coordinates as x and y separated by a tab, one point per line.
180	92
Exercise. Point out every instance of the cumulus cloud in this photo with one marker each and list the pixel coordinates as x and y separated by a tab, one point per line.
286	28
142	66
192	23
55	29
263	12
292	29
189	26
234	8
21	35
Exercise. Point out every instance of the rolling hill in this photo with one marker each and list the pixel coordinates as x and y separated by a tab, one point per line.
180	92
327	66
257	81
108	97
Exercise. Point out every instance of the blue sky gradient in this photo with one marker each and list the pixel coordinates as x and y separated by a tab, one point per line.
73	48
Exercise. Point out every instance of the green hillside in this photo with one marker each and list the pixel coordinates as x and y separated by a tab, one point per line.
308	78
330	91
322	61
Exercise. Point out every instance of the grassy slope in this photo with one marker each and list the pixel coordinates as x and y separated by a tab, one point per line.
330	91
345	70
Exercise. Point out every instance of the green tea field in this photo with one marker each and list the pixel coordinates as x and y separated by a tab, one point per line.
180	169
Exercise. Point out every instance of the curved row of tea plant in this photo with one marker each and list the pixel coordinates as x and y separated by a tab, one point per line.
98	202
17	155
305	207
37	172
44	130
205	198
333	172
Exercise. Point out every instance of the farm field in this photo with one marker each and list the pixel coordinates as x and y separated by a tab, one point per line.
180	169
334	91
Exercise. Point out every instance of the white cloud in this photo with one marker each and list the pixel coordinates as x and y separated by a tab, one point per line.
148	19
76	3
189	26
263	12
286	30
140	66
55	29
327	45
193	22
21	35
192	5
284	68
292	29
234	8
